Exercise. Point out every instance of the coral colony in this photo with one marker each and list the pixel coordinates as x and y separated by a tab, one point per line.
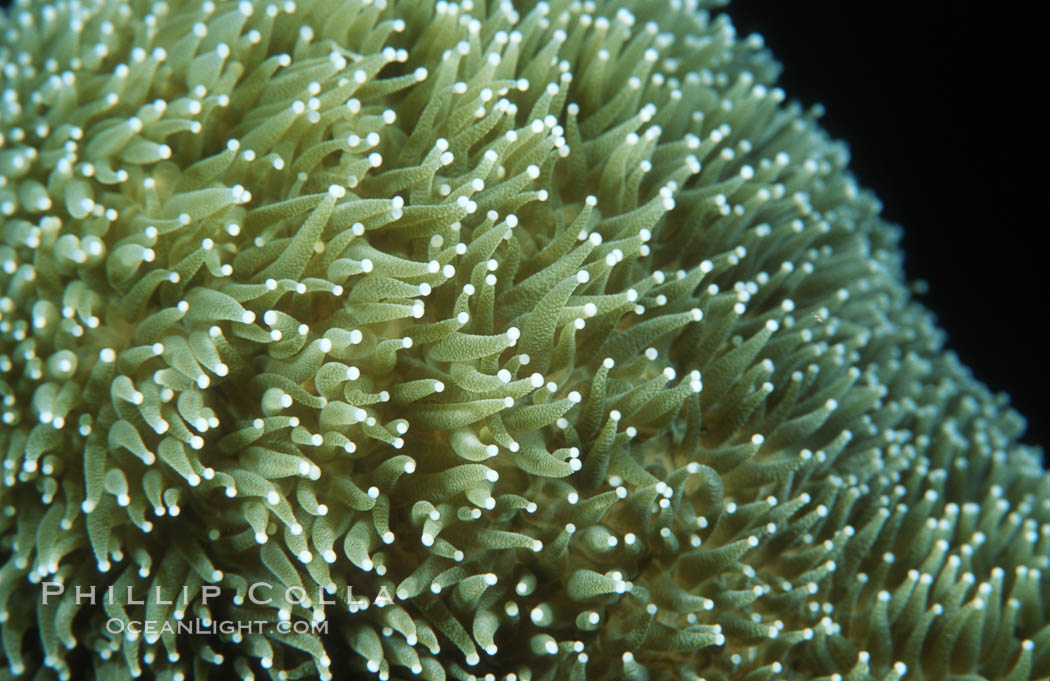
495	340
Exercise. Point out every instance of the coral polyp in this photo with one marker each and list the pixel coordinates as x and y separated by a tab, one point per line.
489	340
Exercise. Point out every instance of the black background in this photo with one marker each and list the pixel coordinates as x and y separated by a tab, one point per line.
939	102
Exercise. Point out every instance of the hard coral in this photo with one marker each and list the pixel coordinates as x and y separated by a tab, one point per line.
547	328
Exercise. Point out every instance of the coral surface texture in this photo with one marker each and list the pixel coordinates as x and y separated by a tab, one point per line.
481	341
